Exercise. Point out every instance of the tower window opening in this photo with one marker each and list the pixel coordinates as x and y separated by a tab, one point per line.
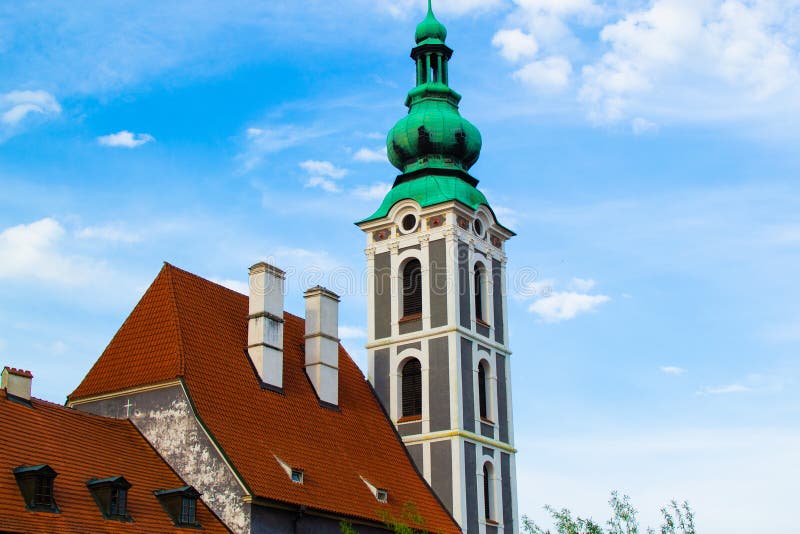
412	388
412	289
480	297
482	391
487	493
409	222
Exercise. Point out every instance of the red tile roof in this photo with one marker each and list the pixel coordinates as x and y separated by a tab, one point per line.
80	446
186	326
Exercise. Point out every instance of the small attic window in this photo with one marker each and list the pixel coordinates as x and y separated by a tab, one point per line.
297	476
111	496
181	505
36	484
382	495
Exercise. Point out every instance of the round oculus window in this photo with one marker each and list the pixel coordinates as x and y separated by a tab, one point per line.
477	227
409	222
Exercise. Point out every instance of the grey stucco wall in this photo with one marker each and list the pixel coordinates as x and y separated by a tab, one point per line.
471	479
502	398
415	451
497	289
383	295
165	417
439	383
406	327
463	285
381	378
467	387
410	429
276	521
508	505
437	277
442	472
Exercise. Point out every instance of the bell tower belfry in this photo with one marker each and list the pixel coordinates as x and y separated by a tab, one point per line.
438	352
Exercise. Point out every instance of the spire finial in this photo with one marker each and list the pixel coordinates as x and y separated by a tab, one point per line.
430	28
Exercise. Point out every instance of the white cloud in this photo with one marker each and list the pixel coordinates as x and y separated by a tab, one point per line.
259	142
515	44
582	284
724	390
16	105
236	285
368	155
641	126
675	58
323	174
113	233
352	332
33	251
672	370
548	75
564	305
323	168
125	139
373	192
322	183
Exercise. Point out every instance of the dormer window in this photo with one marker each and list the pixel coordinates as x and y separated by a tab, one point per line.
111	496
181	505
36	484
297	476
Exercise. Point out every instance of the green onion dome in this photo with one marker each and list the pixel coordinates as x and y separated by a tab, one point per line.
430	28
433	134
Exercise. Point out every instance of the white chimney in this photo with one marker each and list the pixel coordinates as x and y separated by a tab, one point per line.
265	327
17	382
322	343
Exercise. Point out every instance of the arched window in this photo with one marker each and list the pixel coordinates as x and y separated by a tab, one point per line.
487	492
480	297
483	387
412	388
412	288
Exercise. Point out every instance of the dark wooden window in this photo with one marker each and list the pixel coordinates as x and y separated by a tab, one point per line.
119	502
36	484
479	297
487	493
412	288
181	505
188	511
412	388
111	496
43	495
482	390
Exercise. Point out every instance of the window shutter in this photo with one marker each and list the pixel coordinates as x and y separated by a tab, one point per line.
482	390
412	288
412	388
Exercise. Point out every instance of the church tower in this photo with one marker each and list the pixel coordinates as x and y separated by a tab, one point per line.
437	343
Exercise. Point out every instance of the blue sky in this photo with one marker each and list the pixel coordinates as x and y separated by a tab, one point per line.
645	153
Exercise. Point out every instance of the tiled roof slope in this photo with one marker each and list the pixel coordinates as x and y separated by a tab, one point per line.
80	446
190	327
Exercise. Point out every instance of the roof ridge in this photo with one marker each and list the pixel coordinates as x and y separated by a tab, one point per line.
67	410
176	316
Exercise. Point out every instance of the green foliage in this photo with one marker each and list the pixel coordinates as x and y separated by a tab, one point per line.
409	522
678	519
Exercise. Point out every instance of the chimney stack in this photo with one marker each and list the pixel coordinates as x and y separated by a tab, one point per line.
265	327
17	382
322	343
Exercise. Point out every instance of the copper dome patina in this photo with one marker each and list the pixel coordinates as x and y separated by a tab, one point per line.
433	146
430	28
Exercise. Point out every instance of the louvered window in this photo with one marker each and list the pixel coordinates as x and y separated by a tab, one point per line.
412	289
487	493
482	390
412	388
479	296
